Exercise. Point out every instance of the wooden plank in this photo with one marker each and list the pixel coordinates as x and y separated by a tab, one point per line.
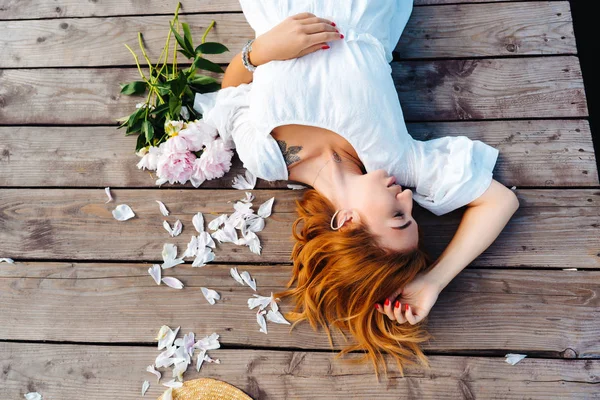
428	90
472	30
553	228
532	153
550	313
33	9
101	372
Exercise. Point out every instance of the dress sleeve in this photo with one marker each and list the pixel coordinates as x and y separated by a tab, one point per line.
450	172
228	111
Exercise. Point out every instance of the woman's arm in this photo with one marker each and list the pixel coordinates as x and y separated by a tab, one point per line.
236	73
481	224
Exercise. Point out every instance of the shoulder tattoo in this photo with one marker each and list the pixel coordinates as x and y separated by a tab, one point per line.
290	155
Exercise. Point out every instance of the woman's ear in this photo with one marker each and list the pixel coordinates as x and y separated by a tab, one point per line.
349	217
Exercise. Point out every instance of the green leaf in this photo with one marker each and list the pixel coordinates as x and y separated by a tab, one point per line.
141	142
201	80
203	63
187	35
211	48
178	84
174	107
189	51
148	130
136	128
134	88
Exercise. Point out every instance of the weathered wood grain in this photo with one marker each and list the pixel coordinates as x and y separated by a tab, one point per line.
553	313
472	30
428	90
532	153
32	9
553	228
101	372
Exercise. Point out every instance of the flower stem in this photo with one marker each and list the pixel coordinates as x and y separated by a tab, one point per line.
212	23
137	62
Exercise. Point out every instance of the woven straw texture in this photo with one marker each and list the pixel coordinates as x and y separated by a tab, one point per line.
208	389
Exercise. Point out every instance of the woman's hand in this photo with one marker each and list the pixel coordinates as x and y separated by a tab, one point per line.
295	36
414	302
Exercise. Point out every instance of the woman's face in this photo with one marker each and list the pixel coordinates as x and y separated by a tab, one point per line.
387	210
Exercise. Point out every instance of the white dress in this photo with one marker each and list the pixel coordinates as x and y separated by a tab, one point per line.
347	89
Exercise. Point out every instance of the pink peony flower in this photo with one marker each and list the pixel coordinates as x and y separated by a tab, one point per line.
215	160
198	134
198	176
150	159
173	164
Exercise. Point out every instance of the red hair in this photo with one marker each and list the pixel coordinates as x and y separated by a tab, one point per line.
339	277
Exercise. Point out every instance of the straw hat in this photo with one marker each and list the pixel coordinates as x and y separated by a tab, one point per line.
208	389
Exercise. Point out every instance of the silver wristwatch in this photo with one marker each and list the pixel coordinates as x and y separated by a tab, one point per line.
245	50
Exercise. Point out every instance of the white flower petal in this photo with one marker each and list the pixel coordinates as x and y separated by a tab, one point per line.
167	395
265	208
261	301
7	260
211	360
512	359
145	387
260	318
205	240
246	182
198	221
110	198
255	224
217	222
248	198
172	263
168	227
161	181
163	208
249	281
252	241
155	272
225	235
33	396
172	282
192	248
235	275
275	316
152	370
208	342
177	227
295	186
204	256
164	359
200	360
169	253
165	337
210	295
173	384
123	212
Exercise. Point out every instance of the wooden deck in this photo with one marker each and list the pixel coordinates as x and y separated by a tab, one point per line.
79	313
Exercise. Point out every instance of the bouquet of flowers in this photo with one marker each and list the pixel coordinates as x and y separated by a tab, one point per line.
172	138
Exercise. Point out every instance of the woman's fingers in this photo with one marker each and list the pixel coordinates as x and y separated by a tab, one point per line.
387	309
318	28
302	15
412	319
313	48
315	20
323	37
398	312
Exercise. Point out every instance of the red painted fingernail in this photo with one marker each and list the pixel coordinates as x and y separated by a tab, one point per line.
397	305
341	36
406	307
387	302
324	47
333	23
337	31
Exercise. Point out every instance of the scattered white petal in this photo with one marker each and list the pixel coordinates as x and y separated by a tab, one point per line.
225	235
145	387
512	359
253	224
169	254
200	360
177	227
163	208
166	336
205	240
211	360
275	316
217	222
164	359
168	394
192	248
296	187
33	396
210	295
244	182
123	212
168	227
188	343
261	301
569	269
198	221
235	275
204	256
155	272
110	198
152	370
172	282
208	342
260	318
173	384
265	208
249	281
7	260
253	242
179	370
248	198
